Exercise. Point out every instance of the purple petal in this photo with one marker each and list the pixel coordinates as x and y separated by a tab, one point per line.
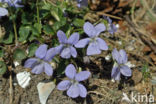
93	49
125	70
73	39
112	28
14	3
82	3
59	48
3	11
30	62
50	54
82	90
64	85
89	29
38	69
116	55
102	44
73	91
66	53
115	73
83	75
48	69
62	37
100	28
70	71
82	43
73	51
108	19
123	56
41	51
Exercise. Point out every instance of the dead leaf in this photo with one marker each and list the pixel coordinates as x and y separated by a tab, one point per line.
153	56
146	49
137	76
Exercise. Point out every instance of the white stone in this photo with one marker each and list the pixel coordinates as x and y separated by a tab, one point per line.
27	51
16	63
129	64
53	64
119	42
44	90
117	25
23	79
113	80
108	57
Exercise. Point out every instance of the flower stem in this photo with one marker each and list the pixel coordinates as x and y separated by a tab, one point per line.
44	2
38	17
15	31
14	27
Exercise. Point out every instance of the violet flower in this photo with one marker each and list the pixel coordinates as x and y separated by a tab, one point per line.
73	87
3	12
107	19
120	66
96	44
12	3
82	3
111	27
41	62
66	48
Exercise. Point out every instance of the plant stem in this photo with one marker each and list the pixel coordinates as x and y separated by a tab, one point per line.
14	27
11	90
44	2
38	18
15	31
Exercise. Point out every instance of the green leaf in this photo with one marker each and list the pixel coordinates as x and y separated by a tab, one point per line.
47	6
32	37
19	54
24	32
55	14
36	29
58	25
32	48
48	29
3	68
1	52
27	19
44	14
78	22
60	69
9	39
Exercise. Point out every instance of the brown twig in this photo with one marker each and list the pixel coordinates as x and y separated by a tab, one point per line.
11	89
109	15
140	34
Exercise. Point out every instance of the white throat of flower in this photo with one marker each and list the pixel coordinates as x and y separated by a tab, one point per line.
74	82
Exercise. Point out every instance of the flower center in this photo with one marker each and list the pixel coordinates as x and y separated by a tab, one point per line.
93	40
73	81
67	45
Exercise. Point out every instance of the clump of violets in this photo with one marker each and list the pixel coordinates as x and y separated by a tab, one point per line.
73	87
120	66
82	3
96	44
111	27
12	3
66	49
41	63
3	12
